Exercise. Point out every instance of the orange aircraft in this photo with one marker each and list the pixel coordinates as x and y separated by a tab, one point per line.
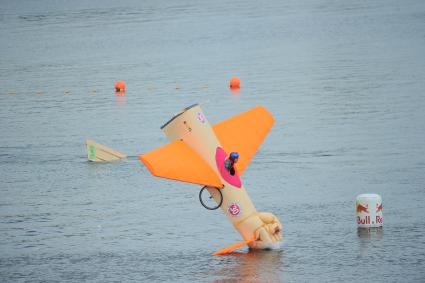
197	153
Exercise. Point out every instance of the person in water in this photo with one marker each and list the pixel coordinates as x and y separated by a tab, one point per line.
230	162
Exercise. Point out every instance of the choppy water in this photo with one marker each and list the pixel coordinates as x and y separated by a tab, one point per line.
345	81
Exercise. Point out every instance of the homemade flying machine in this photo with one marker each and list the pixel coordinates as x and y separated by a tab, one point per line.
197	153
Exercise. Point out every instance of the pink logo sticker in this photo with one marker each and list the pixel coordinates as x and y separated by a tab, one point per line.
234	209
201	118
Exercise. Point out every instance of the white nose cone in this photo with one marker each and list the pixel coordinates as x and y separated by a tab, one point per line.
369	211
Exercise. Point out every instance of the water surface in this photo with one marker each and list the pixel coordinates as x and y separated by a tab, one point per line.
344	80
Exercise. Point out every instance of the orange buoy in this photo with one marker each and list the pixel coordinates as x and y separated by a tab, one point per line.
235	82
120	86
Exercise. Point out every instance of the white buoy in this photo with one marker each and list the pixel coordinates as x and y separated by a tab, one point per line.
369	211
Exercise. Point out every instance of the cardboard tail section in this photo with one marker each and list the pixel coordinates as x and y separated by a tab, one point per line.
100	153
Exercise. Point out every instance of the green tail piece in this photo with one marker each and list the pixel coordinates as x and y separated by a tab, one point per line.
92	152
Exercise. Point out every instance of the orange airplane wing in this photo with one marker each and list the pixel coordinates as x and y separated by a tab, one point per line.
244	133
176	161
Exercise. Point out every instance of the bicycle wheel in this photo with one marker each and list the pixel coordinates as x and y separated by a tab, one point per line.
207	200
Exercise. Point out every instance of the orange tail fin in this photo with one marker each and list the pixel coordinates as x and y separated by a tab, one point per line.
233	247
